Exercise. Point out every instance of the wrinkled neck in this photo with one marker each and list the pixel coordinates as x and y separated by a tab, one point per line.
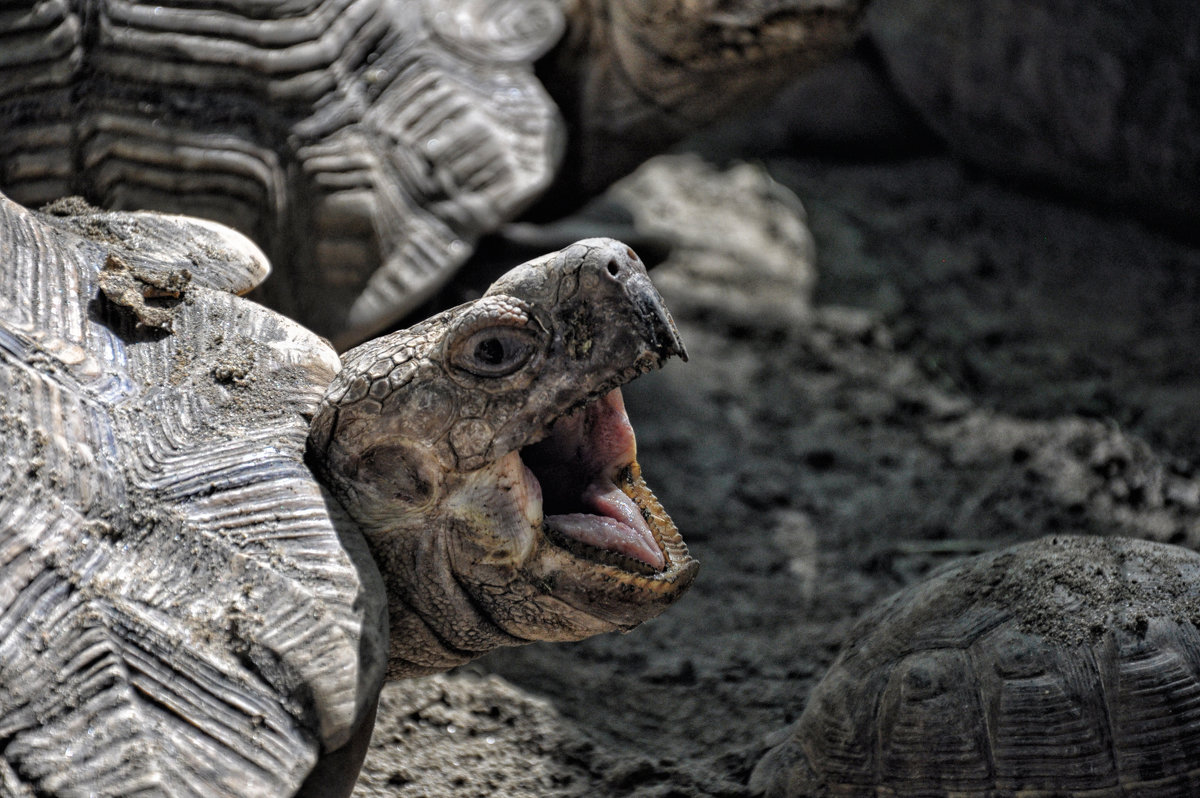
435	623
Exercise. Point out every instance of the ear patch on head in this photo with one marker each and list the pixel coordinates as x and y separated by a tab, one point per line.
389	465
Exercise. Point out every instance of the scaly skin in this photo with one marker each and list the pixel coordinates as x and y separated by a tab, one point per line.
634	76
419	436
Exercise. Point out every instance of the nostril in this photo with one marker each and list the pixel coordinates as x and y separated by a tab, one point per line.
614	268
632	255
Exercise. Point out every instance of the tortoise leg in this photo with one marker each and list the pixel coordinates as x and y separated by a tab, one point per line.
337	771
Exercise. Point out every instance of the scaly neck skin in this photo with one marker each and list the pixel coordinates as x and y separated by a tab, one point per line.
635	76
419	438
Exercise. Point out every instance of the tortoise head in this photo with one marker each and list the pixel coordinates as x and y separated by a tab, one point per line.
486	455
634	76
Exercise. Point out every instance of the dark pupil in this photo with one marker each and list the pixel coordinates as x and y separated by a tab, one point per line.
490	352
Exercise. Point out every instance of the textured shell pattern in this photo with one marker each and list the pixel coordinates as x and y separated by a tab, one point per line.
1062	667
177	613
364	144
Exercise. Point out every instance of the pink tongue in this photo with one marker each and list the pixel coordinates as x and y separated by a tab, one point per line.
618	525
601	441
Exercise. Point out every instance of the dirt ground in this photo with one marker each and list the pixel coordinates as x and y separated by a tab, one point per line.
961	365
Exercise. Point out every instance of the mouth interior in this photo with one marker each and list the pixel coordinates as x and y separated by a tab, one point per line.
593	498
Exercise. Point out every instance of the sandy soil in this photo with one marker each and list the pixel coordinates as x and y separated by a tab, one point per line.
974	366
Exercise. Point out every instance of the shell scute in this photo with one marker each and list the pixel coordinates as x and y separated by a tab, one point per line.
924	690
1156	703
1059	694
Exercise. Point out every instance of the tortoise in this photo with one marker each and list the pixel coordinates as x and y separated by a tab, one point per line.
1064	666
366	145
219	538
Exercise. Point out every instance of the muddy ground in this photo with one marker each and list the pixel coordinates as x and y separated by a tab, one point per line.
962	364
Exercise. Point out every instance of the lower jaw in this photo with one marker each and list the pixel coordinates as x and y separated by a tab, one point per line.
595	554
678	564
610	594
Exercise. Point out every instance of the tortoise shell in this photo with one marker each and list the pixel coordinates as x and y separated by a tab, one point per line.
1067	666
178	614
364	144
1100	101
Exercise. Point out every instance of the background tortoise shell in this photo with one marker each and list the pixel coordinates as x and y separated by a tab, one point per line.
363	143
1067	666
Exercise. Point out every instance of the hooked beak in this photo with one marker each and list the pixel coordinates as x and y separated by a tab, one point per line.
661	332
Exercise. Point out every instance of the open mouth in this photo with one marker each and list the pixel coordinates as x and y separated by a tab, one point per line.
595	503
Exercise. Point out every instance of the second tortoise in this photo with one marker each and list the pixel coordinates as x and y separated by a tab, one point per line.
1067	666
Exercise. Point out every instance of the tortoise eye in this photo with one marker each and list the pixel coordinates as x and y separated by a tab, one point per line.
490	351
496	351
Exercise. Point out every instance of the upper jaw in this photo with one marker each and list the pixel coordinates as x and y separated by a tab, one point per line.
614	278
611	326
660	333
